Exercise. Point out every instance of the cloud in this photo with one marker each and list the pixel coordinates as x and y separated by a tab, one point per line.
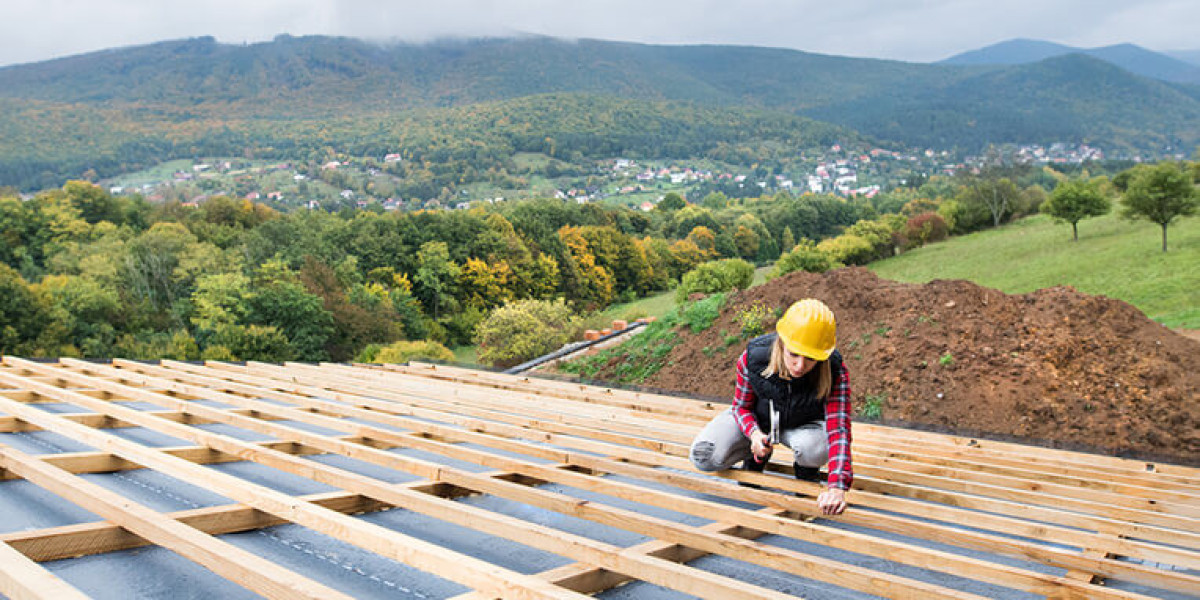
914	30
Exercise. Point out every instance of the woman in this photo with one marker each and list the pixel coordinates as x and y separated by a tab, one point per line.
793	384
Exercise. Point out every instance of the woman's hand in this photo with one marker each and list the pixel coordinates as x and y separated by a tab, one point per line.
832	501
760	445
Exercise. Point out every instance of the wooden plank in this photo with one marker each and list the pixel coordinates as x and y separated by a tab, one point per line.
106	462
1083	480
653	527
1024	490
99	537
1164	471
832	571
860	544
415	441
83	539
23	579
965	489
1036	530
1150	486
659	572
586	579
235	564
415	552
96	421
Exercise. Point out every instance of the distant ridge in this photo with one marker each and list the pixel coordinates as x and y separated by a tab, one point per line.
1010	52
1130	57
294	96
1188	56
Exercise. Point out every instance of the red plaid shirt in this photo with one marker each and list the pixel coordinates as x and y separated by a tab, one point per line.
837	421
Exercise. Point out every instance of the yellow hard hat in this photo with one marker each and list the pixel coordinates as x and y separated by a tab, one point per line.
808	329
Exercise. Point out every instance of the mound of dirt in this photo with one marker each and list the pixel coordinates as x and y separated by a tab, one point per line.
1056	366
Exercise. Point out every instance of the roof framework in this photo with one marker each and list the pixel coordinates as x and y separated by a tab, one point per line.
931	515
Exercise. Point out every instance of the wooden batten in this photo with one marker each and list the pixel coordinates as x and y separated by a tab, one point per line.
1098	518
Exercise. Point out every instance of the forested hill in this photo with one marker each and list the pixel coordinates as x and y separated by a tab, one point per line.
1071	97
320	73
113	108
1130	57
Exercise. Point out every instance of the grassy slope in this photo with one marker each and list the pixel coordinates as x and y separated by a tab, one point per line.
659	305
1114	258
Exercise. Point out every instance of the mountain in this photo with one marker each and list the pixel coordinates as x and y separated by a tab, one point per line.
317	74
1011	52
1187	56
297	97
1134	59
1072	98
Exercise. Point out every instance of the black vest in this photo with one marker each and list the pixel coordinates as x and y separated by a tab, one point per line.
796	399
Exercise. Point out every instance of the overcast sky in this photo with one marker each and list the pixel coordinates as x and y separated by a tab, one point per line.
912	30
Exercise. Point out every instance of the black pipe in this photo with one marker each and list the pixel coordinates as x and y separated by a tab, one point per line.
569	349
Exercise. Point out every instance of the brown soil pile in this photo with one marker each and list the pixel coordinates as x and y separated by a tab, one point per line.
1055	366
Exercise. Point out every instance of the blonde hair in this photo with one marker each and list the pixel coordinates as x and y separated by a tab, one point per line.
777	366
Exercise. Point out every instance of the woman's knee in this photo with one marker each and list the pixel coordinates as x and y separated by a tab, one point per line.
702	455
810	446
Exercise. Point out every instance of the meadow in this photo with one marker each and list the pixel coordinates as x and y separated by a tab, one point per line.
1113	257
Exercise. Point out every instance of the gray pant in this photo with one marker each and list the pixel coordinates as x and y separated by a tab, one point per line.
721	444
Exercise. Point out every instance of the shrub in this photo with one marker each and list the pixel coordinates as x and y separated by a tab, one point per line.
368	353
925	228
257	342
404	351
177	345
715	276
699	315
525	329
848	248
218	352
804	257
460	327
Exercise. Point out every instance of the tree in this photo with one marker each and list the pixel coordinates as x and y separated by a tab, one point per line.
848	249
485	285
297	314
523	330
94	204
593	285
685	255
691	217
746	241
789	240
804	256
996	196
435	277
359	318
671	202
715	201
925	228
877	233
715	276
705	240
21	314
1160	194
1075	200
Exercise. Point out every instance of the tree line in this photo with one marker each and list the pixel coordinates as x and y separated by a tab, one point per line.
84	273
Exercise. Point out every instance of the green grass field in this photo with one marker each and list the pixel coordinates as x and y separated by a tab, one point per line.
1113	257
650	306
659	305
